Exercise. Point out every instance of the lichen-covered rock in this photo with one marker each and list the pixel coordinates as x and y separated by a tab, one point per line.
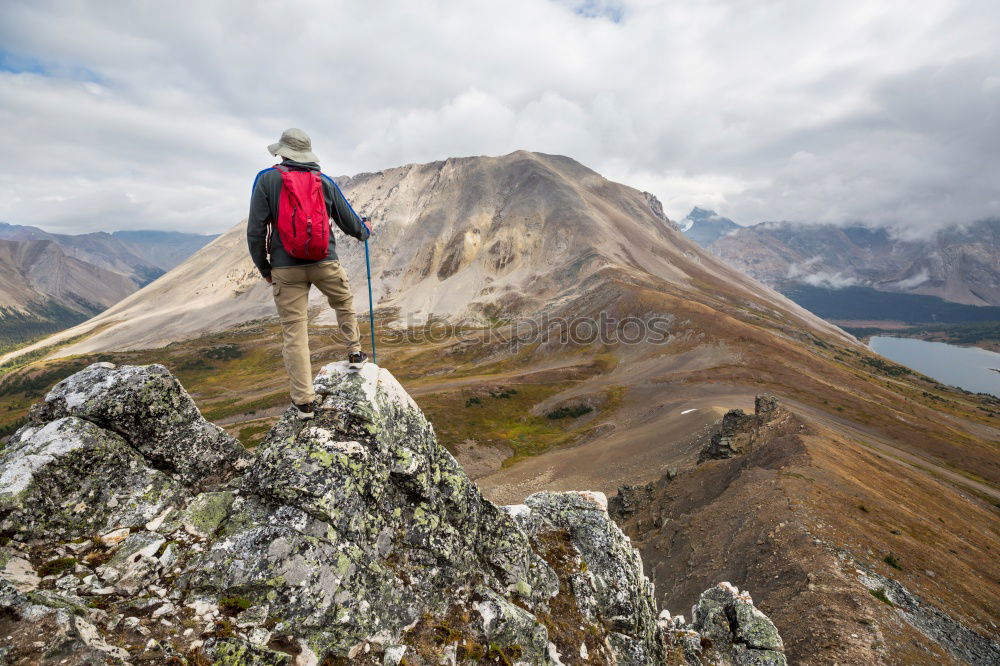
614	592
239	653
36	631
70	478
354	536
737	631
134	564
204	514
149	408
511	627
355	525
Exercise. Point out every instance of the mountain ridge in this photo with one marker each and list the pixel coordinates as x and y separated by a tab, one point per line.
706	226
960	263
99	249
77	276
44	288
140	255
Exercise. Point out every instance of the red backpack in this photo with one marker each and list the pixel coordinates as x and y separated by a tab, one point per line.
303	222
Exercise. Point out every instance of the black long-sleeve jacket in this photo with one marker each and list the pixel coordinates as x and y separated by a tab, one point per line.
264	215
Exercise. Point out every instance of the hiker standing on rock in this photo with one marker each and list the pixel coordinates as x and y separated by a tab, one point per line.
292	244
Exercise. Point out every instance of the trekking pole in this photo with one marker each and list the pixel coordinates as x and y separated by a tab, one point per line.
371	303
368	267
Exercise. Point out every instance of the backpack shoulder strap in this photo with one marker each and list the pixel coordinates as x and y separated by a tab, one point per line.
282	168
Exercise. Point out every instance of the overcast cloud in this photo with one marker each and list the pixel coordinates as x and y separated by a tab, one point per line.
156	115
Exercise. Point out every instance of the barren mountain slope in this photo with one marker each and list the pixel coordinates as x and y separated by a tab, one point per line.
493	239
41	287
99	249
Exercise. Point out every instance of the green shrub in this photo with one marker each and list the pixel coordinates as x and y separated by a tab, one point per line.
890	369
572	411
880	595
11	428
224	352
892	561
34	385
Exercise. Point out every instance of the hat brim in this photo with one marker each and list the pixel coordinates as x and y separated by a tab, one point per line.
280	149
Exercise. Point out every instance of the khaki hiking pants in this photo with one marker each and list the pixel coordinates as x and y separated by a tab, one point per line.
291	296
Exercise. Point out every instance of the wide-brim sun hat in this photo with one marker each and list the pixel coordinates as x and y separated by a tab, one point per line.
295	145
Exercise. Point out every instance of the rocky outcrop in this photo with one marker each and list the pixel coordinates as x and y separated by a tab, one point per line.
604	572
372	524
70	478
726	629
731	628
657	209
740	432
107	447
135	532
152	412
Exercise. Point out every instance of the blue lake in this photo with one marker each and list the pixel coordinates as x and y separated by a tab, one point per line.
965	367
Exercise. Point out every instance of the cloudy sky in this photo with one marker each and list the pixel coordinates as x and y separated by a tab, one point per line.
156	115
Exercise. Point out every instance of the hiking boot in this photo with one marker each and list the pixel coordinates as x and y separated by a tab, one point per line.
356	359
304	412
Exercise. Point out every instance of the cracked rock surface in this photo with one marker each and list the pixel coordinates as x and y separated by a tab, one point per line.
134	531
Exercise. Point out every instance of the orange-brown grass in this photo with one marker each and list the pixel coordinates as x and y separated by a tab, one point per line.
792	520
924	523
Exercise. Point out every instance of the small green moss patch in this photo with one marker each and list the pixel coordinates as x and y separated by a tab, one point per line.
507	655
250	436
566	626
234	605
224	628
57	567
